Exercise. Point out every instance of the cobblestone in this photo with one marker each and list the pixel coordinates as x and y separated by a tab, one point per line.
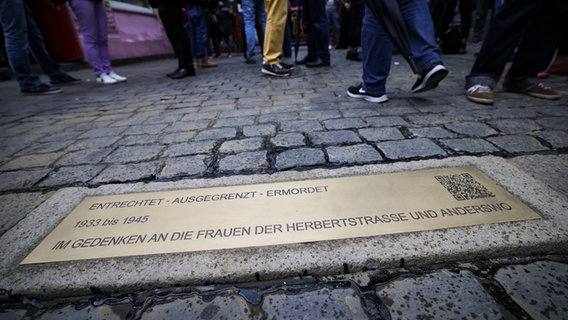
405	149
360	153
515	144
299	157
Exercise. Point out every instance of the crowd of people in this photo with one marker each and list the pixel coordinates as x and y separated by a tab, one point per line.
527	32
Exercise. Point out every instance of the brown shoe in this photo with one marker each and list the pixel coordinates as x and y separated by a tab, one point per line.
532	87
480	94
205	63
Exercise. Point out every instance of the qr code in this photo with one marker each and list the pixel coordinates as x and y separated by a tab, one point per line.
464	187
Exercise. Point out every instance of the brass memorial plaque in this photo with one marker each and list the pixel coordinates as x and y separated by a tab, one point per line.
278	213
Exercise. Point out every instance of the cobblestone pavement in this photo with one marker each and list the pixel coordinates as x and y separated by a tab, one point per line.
231	120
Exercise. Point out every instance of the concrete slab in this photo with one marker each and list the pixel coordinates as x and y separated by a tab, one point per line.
547	235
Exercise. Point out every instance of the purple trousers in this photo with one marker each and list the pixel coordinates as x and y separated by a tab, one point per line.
92	20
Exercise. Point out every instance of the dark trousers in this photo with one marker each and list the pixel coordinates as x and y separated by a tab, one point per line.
533	27
443	14
171	16
317	25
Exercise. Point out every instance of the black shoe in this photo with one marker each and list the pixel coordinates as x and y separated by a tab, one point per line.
65	80
429	78
183	72
288	66
276	70
250	60
169	75
306	59
318	62
353	56
359	93
42	89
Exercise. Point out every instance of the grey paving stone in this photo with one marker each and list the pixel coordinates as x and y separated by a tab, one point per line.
299	157
320	115
103	132
189	148
146	129
60	136
475	129
539	288
216	134
439	295
301	126
426	119
517	143
508	113
86	156
136	153
334	137
63	175
127	172
362	111
381	134
234	122
278	117
101	142
177	137
137	139
292	139
241	145
558	139
185	126
405	149
244	161
319	304
345	123
558	123
513	126
431	132
31	161
183	166
360	153
230	306
471	145
45	147
259	130
21	179
386	121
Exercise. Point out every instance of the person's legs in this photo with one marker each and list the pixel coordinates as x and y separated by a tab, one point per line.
249	16
276	12
15	27
198	29
88	18
317	29
544	33
171	17
376	53
505	33
420	33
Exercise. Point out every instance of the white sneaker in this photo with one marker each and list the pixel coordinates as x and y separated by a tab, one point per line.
116	77
106	79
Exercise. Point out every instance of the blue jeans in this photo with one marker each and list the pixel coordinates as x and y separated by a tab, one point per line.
377	47
22	37
197	28
253	9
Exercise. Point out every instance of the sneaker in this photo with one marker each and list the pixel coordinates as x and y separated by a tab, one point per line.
106	79
65	80
116	77
359	93
42	89
288	66
275	69
532	87
205	63
480	94
429	78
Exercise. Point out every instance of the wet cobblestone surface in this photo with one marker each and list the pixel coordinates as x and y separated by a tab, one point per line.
232	120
